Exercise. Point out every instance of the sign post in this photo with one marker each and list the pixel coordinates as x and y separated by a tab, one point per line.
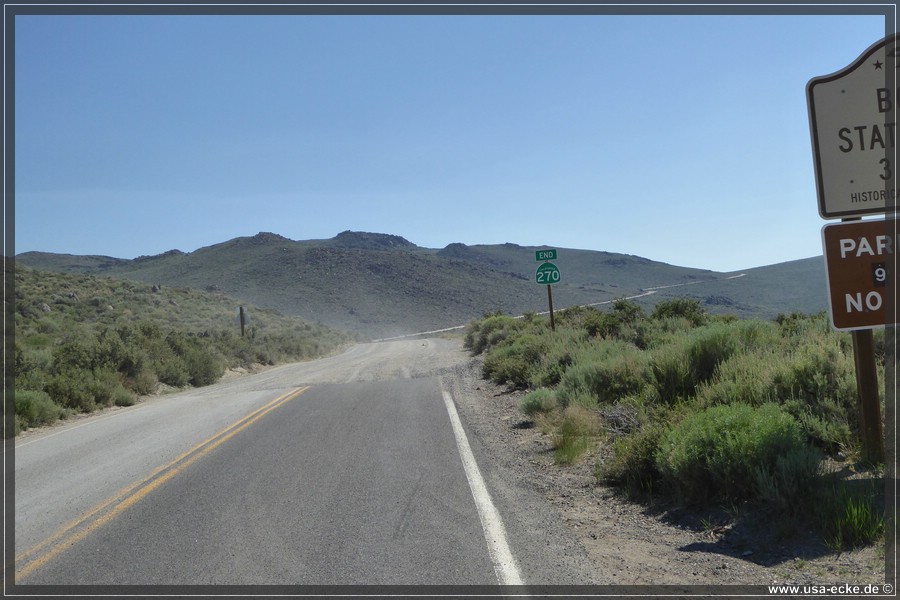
547	273
852	127
857	254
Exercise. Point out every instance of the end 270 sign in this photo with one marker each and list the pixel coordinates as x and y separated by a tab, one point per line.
547	273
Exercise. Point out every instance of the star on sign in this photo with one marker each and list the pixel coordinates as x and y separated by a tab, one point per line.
877	64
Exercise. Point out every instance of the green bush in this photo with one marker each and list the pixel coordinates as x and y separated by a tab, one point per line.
788	484
574	435
687	361
69	390
515	361
687	308
707	348
746	378
818	370
716	453
173	371
144	383
559	351
627	312
481	335
105	386
538	401
670	367
34	408
632	461
204	367
620	371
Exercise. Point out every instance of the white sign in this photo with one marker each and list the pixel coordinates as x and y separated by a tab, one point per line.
853	134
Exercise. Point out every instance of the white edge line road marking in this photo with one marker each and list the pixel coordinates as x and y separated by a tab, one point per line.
90	421
505	567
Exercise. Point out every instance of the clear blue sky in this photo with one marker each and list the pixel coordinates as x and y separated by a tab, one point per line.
683	139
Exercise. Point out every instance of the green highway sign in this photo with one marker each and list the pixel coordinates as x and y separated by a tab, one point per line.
547	274
540	255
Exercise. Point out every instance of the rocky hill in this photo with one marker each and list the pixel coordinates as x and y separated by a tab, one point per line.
382	285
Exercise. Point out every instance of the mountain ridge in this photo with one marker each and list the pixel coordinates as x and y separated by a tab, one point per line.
381	285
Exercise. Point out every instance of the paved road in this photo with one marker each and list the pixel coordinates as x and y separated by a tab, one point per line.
348	470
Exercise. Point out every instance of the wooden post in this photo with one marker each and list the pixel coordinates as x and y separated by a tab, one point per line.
869	405
242	321
550	300
867	389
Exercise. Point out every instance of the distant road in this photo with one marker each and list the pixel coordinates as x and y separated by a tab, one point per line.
350	470
646	292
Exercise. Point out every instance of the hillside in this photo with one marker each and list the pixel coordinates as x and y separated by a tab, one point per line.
380	285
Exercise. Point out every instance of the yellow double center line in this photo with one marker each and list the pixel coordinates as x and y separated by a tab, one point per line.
78	529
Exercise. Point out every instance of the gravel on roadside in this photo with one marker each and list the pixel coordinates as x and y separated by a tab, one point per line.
648	544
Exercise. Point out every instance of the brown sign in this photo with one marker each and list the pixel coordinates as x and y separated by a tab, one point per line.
859	262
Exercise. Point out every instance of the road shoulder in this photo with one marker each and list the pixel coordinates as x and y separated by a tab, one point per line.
626	543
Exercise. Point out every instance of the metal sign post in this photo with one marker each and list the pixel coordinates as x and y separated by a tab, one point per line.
547	273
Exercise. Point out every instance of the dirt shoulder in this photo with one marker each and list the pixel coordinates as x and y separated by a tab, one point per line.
641	544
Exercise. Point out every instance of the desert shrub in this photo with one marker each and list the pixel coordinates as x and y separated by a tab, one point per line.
817	370
575	435
627	312
571	315
32	368
799	324
203	367
622	322
715	454
667	327
687	308
742	378
686	361
815	383
822	429
69	389
514	361
755	335
144	383
707	347
594	323
631	462
34	408
488	332
172	371
537	401
550	368
613	371
105	386
603	325
75	354
788	483
670	368
122	397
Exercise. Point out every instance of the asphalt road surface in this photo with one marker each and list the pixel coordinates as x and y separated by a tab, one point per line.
355	469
